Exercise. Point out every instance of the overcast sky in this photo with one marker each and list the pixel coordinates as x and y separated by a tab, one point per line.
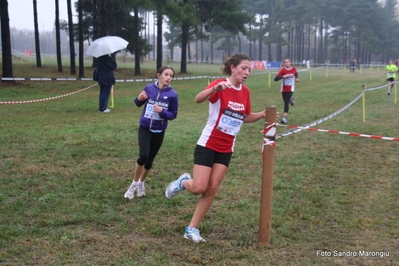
21	14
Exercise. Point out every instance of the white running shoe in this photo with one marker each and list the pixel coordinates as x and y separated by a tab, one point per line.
176	186
105	111
193	234
140	190
129	194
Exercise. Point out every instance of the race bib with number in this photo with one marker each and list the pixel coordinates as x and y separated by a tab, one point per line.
289	81
150	111
230	122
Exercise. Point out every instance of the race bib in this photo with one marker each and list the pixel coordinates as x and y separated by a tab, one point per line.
150	111
230	122
390	74
289	81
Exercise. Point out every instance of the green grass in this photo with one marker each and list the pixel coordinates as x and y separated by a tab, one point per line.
65	167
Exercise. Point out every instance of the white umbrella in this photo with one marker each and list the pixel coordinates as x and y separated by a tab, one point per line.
106	45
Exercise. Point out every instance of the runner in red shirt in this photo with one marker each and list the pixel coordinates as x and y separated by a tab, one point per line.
289	75
227	111
229	108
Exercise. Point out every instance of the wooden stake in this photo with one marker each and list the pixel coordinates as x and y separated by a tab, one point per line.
267	177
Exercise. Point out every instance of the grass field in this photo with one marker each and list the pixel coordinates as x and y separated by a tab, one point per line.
65	167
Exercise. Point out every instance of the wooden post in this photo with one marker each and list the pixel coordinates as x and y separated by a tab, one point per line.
267	177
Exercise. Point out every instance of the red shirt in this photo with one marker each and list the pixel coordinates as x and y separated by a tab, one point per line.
227	110
288	84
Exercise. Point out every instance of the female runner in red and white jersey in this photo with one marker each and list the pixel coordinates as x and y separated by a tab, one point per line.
229	108
289	75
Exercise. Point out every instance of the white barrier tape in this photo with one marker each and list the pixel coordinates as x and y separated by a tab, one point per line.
268	142
298	129
154	79
270	130
380	87
321	120
342	132
118	80
50	98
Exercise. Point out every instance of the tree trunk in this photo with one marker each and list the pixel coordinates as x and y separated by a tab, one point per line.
202	51
95	26
321	46
314	43
196	51
159	39
250	48
211	50
269	52
57	35
6	40
189	51
239	43
81	47
250	42
37	41
347	54
288	55
326	27
102	18
111	20
137	48
71	38
260	48
309	41
153	39
184	42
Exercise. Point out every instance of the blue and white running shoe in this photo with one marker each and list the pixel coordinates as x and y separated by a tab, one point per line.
176	186
193	234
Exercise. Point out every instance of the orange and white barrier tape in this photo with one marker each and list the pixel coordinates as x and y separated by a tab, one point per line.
50	98
269	133
342	132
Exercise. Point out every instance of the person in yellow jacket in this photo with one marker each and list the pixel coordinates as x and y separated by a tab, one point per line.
391	70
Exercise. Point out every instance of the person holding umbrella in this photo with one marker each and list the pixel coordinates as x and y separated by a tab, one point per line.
102	48
106	79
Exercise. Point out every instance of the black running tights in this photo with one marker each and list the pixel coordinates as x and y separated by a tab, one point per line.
286	98
149	144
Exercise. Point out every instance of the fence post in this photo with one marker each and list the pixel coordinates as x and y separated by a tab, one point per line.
269	79
364	103
112	97
267	177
